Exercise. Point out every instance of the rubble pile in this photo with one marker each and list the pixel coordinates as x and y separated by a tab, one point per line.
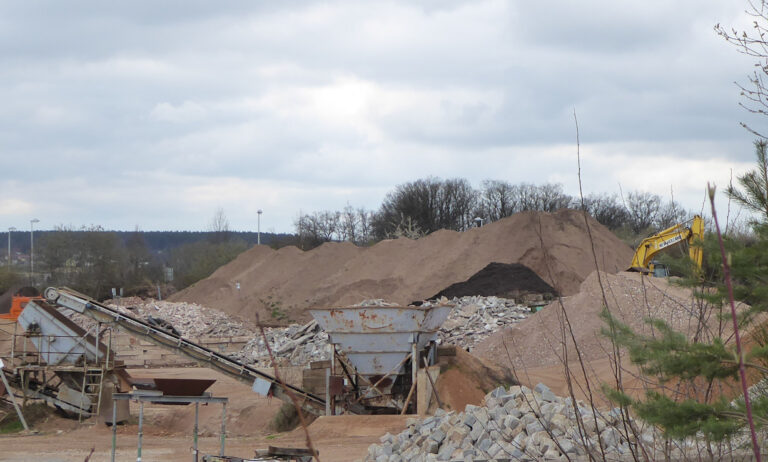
189	319
515	424
475	318
295	345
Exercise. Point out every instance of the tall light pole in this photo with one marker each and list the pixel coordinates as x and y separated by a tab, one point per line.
32	248
10	230
258	229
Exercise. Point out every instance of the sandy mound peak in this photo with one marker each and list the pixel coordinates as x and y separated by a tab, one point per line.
282	284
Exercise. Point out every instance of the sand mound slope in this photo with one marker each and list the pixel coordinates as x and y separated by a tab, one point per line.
533	347
282	284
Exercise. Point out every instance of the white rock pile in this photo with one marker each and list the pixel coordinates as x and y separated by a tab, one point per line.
475	318
190	319
295	345
516	424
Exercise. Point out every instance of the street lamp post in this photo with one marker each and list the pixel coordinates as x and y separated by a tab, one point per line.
258	229
32	248
10	230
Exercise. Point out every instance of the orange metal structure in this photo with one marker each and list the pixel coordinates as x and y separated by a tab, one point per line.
17	306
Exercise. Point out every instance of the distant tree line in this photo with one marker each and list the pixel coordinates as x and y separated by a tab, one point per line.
426	205
93	260
158	242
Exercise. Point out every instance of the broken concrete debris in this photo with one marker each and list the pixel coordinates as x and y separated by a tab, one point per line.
475	318
189	319
514	424
295	345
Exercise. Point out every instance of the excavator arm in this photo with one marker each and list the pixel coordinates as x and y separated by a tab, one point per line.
674	235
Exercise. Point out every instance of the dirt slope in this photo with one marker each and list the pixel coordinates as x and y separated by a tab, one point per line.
284	283
533	348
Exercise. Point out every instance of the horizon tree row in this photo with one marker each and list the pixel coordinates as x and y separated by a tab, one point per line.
420	207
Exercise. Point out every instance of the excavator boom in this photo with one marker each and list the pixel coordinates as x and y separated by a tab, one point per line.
674	235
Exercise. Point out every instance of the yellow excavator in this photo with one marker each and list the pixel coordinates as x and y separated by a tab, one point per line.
643	262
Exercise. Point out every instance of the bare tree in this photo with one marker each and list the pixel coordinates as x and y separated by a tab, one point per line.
219	226
551	198
329	225
671	213
427	204
753	43
365	221
606	209
349	226
643	208
495	200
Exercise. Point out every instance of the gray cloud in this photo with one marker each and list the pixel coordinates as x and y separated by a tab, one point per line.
152	114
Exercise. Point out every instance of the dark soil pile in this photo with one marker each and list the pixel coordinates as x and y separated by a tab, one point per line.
506	280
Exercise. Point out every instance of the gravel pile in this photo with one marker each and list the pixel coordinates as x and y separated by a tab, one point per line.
515	424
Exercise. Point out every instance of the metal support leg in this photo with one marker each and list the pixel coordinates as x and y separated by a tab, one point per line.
328	391
194	436
114	428
330	400
223	428
414	363
141	426
13	399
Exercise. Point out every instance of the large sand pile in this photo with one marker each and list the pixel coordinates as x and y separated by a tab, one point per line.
284	283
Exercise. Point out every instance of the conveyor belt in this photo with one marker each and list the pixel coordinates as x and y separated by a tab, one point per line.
83	304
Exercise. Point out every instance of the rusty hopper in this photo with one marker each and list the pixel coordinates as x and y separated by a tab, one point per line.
376	339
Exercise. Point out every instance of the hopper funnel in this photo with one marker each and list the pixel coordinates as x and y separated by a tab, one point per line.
376	338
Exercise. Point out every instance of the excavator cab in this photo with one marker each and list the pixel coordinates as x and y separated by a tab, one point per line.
659	270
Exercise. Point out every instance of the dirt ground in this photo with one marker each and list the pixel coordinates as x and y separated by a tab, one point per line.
338	438
168	429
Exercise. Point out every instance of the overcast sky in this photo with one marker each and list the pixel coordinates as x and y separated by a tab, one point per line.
155	114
